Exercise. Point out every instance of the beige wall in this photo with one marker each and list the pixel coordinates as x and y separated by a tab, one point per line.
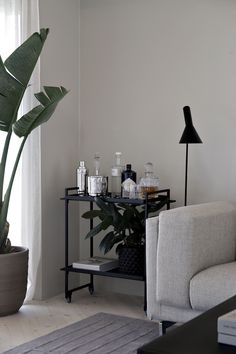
59	66
141	61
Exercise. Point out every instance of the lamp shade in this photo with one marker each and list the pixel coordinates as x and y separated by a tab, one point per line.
190	135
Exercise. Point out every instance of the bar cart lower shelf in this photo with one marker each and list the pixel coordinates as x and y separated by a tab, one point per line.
71	194
114	273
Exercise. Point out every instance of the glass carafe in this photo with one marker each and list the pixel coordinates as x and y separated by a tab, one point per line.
149	183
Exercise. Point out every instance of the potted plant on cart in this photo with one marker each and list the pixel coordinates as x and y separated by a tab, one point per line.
126	225
15	74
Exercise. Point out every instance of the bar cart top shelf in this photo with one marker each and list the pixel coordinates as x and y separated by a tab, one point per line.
72	194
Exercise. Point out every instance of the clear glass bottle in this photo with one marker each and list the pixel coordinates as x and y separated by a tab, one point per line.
97	164
149	183
116	172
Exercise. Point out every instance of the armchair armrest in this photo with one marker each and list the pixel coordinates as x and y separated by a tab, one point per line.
151	261
191	239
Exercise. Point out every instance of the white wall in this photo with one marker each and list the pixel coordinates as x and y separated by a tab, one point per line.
59	138
141	61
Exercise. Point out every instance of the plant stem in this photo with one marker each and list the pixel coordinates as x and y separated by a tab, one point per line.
8	193
3	161
6	146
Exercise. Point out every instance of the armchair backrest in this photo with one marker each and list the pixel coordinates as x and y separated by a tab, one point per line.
191	239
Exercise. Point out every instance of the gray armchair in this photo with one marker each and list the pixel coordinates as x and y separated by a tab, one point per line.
191	260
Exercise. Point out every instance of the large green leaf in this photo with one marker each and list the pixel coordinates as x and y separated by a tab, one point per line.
106	242
10	95
107	209
99	227
41	113
22	61
94	231
111	210
109	241
91	214
23	127
15	74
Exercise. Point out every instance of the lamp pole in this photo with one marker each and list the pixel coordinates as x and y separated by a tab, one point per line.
186	176
189	136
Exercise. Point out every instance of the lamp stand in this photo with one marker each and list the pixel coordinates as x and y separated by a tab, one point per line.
189	136
186	176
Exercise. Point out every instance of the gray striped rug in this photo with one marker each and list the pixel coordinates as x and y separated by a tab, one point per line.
99	334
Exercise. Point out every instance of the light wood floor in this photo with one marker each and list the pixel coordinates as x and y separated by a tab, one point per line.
41	317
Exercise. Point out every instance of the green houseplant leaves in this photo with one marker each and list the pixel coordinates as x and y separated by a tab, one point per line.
124	223
127	222
15	74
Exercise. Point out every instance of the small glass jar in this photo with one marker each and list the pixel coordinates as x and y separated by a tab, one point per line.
149	183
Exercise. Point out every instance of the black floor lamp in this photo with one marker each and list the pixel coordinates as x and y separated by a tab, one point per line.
189	136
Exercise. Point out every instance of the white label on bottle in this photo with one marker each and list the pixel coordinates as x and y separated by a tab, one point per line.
116	172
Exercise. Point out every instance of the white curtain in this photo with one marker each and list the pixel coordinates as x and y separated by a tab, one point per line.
10	38
18	20
31	163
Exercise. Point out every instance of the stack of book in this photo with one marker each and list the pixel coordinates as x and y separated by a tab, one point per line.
226	327
96	263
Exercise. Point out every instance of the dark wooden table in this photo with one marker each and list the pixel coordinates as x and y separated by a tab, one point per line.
198	336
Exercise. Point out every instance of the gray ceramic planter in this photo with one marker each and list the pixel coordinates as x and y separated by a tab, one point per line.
13	280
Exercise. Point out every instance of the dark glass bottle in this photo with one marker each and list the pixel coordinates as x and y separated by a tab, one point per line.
128	173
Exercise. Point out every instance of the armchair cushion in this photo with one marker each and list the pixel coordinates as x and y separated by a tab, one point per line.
213	286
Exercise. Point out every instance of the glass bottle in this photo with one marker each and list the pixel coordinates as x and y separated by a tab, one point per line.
82	174
128	173
116	172
97	163
97	184
149	183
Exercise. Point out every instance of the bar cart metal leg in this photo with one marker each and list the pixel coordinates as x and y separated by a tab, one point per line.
91	285
67	292
145	278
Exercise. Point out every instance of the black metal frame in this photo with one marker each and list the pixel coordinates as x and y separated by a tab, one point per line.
71	194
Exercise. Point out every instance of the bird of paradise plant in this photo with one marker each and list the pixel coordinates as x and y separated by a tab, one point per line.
15	74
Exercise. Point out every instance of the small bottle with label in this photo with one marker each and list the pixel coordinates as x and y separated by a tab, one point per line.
116	172
128	173
82	174
128	182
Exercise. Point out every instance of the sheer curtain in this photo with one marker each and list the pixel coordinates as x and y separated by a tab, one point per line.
18	20
9	40
31	164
